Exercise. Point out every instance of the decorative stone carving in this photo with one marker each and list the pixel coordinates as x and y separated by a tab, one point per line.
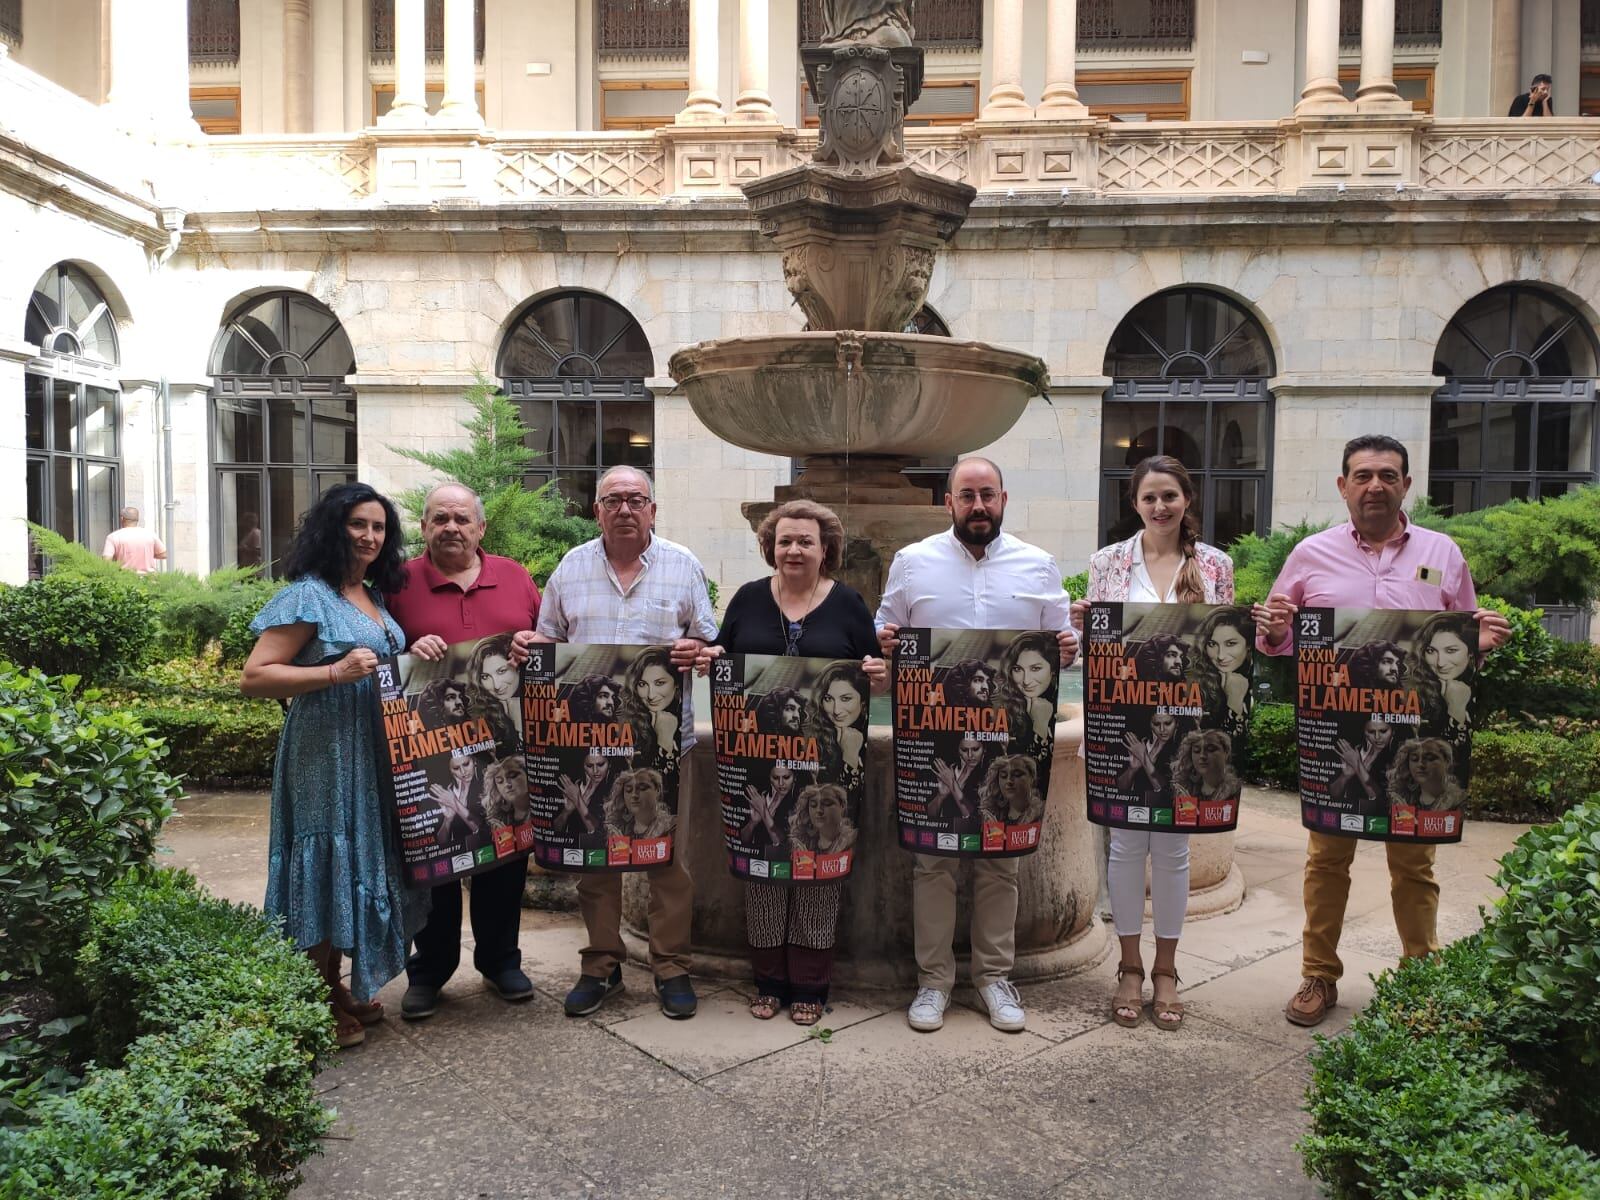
885	23
862	92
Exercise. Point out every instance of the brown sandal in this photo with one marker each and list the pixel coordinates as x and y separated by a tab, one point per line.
344	1000
1172	1009
764	1008
1137	1005
805	1012
347	1028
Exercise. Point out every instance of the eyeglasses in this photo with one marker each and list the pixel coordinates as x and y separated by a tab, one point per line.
987	495
634	501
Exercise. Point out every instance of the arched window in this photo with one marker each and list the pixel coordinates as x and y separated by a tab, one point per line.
576	364
283	423
72	399
1189	371
1514	419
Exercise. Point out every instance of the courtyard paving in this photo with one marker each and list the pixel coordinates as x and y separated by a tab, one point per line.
493	1100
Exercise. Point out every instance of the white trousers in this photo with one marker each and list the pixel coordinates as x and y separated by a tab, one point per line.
1169	880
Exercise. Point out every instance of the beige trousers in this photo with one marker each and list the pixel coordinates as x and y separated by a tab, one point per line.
994	919
670	911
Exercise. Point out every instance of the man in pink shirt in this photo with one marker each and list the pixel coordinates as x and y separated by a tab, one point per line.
132	547
1378	559
456	593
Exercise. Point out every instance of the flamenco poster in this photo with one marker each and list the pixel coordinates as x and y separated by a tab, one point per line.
1383	709
1166	704
791	740
974	732
450	760
601	735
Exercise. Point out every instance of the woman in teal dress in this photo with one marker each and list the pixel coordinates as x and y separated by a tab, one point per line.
332	867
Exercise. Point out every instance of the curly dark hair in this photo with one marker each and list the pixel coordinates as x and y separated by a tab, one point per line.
634	710
322	545
585	696
769	709
1202	670
1418	674
958	683
1364	663
1150	659
482	703
431	701
1019	716
817	722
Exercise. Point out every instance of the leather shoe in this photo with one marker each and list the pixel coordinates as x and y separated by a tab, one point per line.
677	997
421	1000
591	991
511	985
1311	1003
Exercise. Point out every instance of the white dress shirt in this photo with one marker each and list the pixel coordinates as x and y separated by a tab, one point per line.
1141	588
937	583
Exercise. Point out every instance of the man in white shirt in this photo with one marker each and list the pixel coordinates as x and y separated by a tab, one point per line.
972	576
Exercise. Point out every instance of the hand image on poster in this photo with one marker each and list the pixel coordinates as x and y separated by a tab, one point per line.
791	737
974	735
1166	706
600	729
450	761
1383	714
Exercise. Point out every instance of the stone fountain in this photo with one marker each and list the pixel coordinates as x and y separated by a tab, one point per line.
854	397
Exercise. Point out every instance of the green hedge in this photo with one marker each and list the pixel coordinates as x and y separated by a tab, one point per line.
213	734
92	628
213	1096
1471	1072
1531	774
1272	756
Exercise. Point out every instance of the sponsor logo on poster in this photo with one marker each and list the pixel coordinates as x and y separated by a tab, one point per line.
1213	812
505	841
994	836
618	851
970	842
651	850
461	862
1437	824
805	864
1186	811
947	841
441	868
572	858
1022	837
1378	825
484	855
594	858
1161	816
1352	822
1138	814
780	870
759	868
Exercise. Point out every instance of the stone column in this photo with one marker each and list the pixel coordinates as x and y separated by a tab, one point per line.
1322	93
410	107
357	91
703	107
460	105
1060	99
1006	100
754	102
14	353
1377	91
297	66
149	59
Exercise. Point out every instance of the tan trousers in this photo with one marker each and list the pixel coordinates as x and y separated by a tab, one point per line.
671	907
1412	890
994	919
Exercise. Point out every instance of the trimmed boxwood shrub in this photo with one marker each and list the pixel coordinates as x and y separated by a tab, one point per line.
218	1025
1532	774
213	734
86	793
1272	755
93	628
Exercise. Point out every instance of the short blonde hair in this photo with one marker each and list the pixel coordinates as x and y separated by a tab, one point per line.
829	527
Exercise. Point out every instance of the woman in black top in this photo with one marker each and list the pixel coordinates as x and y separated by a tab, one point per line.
799	610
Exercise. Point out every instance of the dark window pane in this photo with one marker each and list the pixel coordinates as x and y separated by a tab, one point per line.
627	435
64	497
1210	322
238	426
38	509
79	298
99	504
1245	353
1238	507
1127	433
1556	487
1512	366
1131	356
1506	437
1566	433
333	431
63	428
534	480
578	441
100	422
239	517
539	420
1117	518
578	487
527	357
1238	436
34	389
1183	433
329	479
244	352
1451	496
288	497
1498	491
286	431
1456	438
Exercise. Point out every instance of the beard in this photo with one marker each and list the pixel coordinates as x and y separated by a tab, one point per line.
973	537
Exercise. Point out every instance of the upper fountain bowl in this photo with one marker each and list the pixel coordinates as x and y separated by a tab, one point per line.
832	393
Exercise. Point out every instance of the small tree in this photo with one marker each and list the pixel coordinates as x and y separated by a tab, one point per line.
533	527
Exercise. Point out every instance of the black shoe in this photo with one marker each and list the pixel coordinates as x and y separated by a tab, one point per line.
677	997
591	992
511	985
421	1000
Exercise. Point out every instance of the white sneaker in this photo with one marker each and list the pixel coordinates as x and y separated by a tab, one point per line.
927	1010
1004	1005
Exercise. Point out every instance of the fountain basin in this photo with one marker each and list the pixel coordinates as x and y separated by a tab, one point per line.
837	393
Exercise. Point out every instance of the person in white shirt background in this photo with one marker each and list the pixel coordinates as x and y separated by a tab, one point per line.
971	576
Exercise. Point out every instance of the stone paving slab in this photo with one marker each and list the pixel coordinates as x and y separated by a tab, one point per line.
488	1099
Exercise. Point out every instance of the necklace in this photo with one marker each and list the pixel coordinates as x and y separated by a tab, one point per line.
792	631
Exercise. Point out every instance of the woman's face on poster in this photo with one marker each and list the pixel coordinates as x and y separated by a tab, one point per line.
1379	734
842	703
1172	663
1162	726
793	714
971	752
1031	675
1210	760
498	677
1447	655
641	796
656	688
1015	783
827	814
1429	766
1227	649
510	781
782	780
594	766
463	769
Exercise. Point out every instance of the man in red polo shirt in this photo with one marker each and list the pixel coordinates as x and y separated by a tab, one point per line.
456	593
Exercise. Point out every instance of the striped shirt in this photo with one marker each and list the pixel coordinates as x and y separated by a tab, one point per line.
584	602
